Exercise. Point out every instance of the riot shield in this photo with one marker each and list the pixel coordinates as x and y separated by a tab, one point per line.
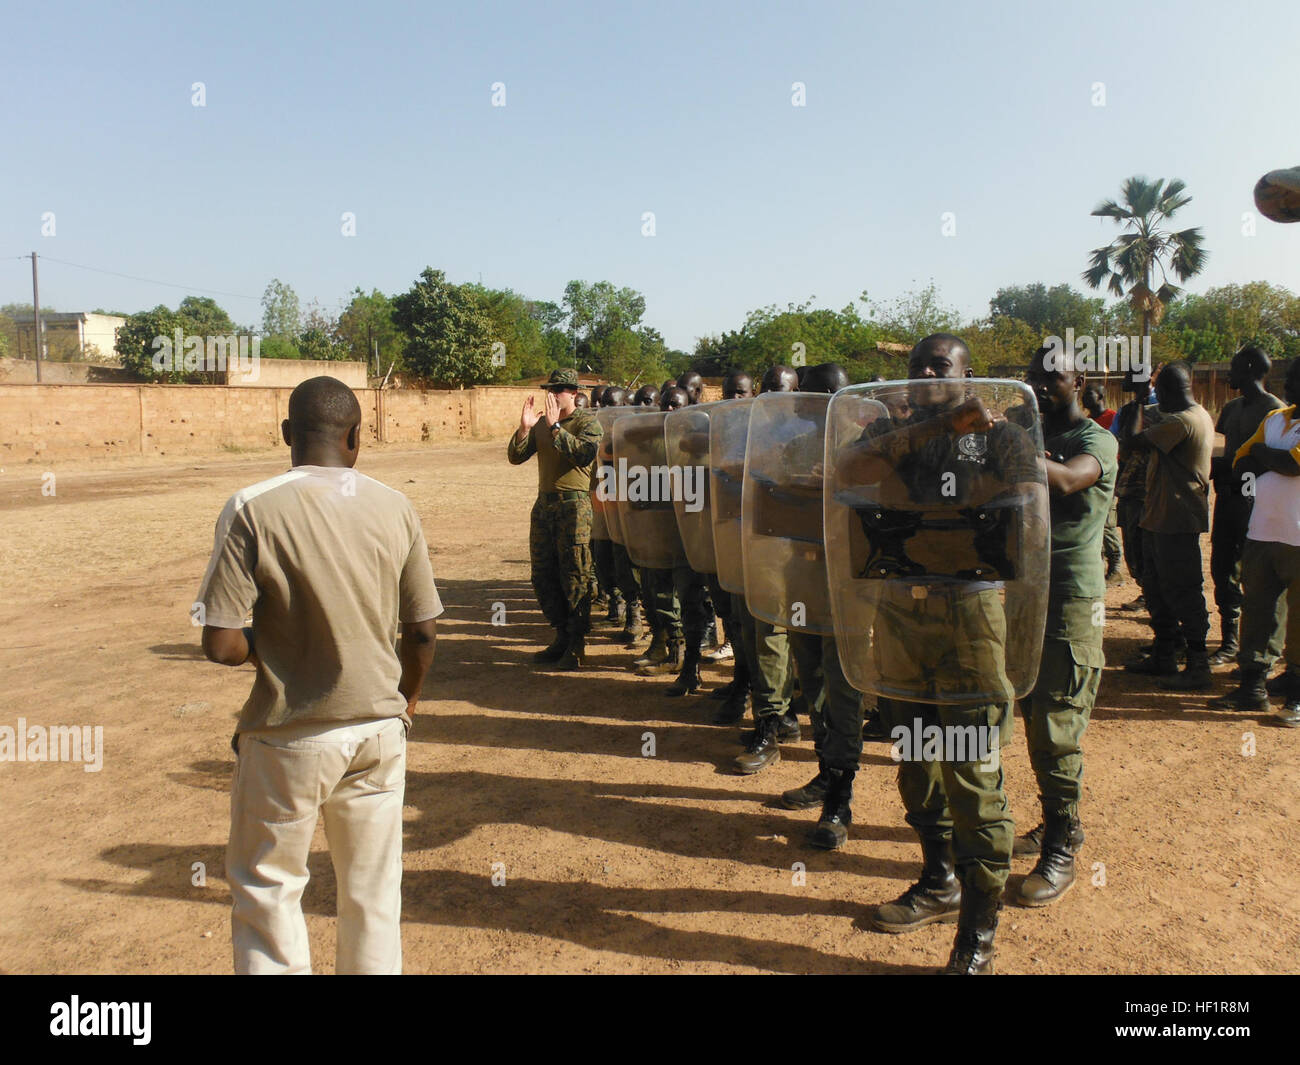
937	540
644	488
781	512
604	514
686	438
728	432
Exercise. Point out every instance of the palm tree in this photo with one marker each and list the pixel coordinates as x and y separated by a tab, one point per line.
1129	262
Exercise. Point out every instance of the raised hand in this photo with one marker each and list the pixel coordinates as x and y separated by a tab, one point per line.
552	408
972	417
528	417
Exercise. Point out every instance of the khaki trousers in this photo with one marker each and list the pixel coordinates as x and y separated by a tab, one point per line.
355	774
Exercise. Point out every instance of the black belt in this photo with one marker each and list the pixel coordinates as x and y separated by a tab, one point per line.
569	493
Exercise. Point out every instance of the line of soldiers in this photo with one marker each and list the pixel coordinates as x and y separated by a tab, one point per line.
969	560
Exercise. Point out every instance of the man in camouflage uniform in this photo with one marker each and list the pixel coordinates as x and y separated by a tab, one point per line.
564	439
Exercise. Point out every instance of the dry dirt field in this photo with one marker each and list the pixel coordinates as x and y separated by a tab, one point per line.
614	862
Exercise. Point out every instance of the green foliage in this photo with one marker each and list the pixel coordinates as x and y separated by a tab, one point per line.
1128	265
448	334
1212	327
279	347
368	320
280	315
595	312
914	315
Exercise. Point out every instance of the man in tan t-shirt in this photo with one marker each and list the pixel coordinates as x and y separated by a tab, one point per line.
327	561
1177	513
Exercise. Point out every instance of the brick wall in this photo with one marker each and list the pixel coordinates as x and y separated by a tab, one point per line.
52	421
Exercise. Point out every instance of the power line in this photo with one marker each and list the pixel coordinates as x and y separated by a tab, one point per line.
146	280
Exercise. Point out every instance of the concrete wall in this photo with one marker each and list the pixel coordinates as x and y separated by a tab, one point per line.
57	421
289	373
23	372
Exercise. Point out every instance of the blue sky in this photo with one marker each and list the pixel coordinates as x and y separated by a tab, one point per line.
612	110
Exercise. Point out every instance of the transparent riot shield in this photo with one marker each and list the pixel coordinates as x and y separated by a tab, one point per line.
604	512
686	438
781	512
937	541
728	432
644	491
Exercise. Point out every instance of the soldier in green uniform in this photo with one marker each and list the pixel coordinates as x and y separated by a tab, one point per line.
735	694
564	439
626	576
767	650
953	640
1082	460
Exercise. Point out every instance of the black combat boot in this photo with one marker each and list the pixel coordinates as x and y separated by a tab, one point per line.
972	952
832	829
1227	652
1250	696
1195	677
556	651
933	899
573	657
727	690
787	730
1053	876
656	652
873	727
762	750
688	680
632	627
811	794
1163	662
1031	843
671	662
615	614
732	712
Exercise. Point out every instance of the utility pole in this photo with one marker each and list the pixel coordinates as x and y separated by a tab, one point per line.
36	316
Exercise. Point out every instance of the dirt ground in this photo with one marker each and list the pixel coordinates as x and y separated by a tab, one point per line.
613	862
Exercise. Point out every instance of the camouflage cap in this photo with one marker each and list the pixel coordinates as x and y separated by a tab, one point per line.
562	379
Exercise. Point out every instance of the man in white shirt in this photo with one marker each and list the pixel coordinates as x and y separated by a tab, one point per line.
1271	560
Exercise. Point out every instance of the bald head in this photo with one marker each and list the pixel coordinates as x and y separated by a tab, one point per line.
646	396
614	397
942	355
674	398
1174	387
737	385
829	377
780	379
693	383
324	423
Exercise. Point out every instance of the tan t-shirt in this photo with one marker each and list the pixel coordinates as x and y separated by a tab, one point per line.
1178	476
328	561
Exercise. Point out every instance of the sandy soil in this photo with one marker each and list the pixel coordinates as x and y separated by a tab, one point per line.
614	862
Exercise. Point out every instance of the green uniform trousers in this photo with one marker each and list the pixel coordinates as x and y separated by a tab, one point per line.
559	547
626	576
1172	587
692	598
1227	542
602	556
945	645
1270	576
1057	710
659	599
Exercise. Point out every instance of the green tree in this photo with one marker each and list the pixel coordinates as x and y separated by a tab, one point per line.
280	313
597	310
448	335
367	322
1048	311
1128	265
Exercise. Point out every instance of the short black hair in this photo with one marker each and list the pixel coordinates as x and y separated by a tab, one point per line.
827	377
1256	361
323	405
954	341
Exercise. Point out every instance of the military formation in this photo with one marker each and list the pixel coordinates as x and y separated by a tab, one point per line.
908	560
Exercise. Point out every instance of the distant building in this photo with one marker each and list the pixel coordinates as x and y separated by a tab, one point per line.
70	336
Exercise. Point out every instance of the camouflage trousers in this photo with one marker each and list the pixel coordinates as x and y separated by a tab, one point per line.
559	548
602	554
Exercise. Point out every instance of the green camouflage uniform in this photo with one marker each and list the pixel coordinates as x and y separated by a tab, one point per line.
559	539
